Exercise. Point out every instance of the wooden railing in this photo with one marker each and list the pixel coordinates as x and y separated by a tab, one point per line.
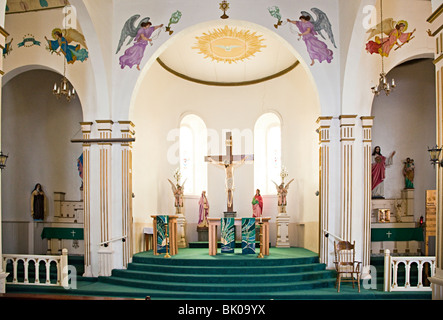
391	272
60	262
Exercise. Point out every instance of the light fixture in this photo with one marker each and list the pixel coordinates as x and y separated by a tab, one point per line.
434	154
383	83
64	88
3	158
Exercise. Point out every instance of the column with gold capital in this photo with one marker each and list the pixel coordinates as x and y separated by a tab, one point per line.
86	131
323	130
105	252
347	140
127	132
367	122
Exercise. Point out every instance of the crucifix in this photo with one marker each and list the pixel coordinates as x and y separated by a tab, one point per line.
229	162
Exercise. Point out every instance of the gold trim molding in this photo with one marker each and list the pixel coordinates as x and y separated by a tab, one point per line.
435	14
4	32
228	84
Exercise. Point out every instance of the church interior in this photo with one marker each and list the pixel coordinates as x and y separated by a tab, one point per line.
204	150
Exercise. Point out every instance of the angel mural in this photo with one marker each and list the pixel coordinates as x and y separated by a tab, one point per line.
62	39
308	30
141	35
395	32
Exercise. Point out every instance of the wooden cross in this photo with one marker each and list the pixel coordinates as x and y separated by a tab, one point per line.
229	162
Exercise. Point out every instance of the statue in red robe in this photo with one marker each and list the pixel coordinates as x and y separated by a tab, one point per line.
257	204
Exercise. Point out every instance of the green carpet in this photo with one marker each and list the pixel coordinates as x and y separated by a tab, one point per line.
286	274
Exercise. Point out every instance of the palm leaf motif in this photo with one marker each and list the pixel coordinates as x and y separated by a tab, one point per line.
227	235
248	235
161	233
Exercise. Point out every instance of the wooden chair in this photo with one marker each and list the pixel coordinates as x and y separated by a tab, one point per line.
348	270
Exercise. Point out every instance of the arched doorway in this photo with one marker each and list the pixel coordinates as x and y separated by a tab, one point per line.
36	132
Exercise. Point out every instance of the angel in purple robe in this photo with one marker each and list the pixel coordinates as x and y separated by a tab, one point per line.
134	54
316	48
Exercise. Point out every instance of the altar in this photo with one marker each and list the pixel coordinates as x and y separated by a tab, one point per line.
403	238
214	223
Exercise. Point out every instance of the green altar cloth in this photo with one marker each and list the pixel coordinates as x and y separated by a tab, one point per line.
62	233
396	234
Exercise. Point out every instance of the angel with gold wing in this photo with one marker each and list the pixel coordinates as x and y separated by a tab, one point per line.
62	40
395	32
282	191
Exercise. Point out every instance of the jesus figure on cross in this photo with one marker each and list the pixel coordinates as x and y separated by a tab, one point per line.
229	162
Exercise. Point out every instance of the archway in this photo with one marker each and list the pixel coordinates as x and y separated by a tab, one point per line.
36	132
226	99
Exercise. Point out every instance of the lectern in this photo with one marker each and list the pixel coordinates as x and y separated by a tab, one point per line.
172	234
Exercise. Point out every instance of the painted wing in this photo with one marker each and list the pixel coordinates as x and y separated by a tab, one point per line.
173	186
323	23
130	30
388	25
287	186
74	35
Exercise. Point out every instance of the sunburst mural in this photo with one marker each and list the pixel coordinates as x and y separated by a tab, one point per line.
229	45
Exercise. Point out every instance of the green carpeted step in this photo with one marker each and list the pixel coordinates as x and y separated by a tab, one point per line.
226	270
227	279
224	260
221	287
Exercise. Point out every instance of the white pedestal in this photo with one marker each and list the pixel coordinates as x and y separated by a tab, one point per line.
181	232
105	256
408	196
437	285
3	276
282	231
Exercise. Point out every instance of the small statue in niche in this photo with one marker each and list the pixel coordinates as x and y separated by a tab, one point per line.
408	173
38	203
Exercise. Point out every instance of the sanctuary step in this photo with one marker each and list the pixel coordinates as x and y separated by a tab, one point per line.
224	276
286	274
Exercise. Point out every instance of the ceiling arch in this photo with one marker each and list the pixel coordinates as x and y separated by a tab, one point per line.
228	53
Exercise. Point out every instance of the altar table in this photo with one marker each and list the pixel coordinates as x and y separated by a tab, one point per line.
216	222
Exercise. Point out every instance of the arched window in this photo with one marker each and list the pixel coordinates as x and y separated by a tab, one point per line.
193	149
267	153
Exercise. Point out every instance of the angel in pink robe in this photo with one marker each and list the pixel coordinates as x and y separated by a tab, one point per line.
317	49
384	46
134	54
257	205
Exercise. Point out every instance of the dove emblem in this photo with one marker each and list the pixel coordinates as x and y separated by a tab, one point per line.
227	48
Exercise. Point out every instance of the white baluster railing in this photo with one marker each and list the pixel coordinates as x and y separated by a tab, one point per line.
61	262
391	267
